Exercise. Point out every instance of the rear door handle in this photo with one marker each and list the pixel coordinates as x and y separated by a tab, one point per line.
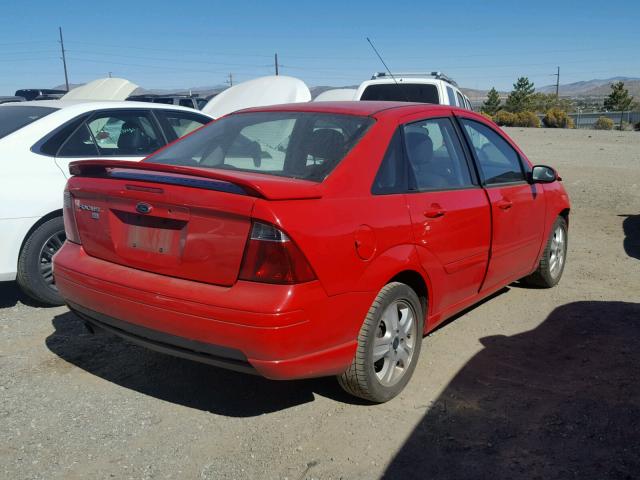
434	211
504	204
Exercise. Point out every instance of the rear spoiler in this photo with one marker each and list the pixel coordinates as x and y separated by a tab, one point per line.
269	187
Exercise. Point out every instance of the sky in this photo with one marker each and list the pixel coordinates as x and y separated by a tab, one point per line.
481	44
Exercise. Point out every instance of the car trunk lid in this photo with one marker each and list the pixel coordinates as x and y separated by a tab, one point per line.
177	221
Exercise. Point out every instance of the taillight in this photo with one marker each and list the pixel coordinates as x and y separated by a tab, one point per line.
271	257
69	216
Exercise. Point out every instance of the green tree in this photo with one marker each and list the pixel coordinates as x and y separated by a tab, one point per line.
492	103
618	100
519	100
543	102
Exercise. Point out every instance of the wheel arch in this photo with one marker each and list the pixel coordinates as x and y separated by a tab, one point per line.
416	281
40	221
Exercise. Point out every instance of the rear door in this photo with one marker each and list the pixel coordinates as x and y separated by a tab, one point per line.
115	134
449	211
518	208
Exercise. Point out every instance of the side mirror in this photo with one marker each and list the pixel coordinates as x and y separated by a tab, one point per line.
543	174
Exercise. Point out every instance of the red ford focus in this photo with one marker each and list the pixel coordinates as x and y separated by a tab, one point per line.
310	239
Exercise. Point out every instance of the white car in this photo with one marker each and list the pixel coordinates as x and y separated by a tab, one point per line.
38	140
433	87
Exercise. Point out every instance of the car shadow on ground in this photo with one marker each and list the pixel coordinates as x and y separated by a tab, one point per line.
188	383
181	381
631	228
559	401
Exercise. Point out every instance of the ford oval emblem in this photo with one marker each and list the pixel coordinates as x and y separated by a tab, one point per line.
143	208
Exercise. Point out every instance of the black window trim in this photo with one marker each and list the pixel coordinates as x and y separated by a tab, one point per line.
476	160
474	180
473	173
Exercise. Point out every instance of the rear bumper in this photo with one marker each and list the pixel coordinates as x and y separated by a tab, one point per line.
277	331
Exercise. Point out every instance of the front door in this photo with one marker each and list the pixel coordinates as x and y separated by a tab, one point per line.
517	207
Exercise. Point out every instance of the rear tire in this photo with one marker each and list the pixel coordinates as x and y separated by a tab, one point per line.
35	274
388	345
553	259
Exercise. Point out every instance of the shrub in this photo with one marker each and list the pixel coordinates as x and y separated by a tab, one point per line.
556	118
625	126
527	119
487	116
505	119
603	123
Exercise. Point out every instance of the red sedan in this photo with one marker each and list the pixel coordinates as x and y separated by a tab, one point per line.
310	239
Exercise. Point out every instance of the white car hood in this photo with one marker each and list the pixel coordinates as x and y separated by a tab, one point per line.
102	89
258	92
336	94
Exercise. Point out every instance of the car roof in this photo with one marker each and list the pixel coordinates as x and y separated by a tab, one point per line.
85	106
357	107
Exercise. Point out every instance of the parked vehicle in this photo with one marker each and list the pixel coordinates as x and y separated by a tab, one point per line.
434	87
31	93
38	139
310	239
189	101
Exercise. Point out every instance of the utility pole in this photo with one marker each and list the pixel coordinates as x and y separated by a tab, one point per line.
64	60
230	81
557	83
276	59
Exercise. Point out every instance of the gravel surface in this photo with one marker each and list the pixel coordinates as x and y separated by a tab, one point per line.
529	384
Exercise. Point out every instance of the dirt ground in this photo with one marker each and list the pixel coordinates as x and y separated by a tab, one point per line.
529	384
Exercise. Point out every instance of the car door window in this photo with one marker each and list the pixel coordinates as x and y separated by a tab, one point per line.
498	161
185	102
178	124
125	133
435	155
80	144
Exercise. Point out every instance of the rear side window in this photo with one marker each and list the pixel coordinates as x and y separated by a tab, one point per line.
52	143
498	161
80	144
460	100
305	145
436	157
186	102
392	175
402	92
14	118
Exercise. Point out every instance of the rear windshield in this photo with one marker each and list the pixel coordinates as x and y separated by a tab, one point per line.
14	118
402	92
305	145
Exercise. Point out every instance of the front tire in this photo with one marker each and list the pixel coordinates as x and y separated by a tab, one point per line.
388	345
553	259
35	266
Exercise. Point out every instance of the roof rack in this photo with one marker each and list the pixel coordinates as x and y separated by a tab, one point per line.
437	75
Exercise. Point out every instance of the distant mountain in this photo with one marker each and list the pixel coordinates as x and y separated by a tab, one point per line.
596	87
586	88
